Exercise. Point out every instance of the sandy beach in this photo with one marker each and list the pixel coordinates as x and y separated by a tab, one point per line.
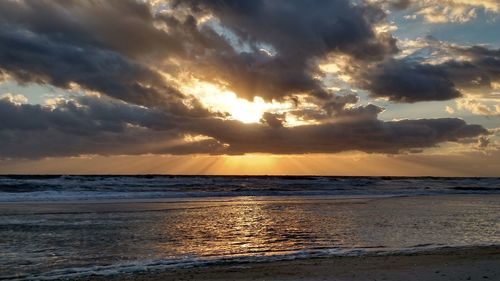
466	264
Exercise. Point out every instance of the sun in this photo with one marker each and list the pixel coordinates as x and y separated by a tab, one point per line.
221	100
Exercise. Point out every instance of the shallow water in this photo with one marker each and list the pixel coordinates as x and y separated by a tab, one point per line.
60	239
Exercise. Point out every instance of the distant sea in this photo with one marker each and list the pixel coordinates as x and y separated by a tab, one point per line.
71	226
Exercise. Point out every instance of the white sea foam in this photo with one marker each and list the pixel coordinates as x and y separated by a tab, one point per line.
64	188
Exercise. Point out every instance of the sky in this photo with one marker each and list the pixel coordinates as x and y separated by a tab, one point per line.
326	87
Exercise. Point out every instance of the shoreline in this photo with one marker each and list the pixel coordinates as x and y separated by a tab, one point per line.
464	263
412	234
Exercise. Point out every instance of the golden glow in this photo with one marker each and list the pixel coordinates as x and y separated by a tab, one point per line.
330	68
196	138
349	164
221	100
16	99
248	224
336	64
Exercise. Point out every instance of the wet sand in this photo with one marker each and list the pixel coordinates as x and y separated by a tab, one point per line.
466	264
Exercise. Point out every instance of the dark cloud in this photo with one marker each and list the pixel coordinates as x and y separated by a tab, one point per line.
109	46
274	120
117	47
299	29
29	57
86	116
133	141
122	49
103	46
92	125
399	4
337	103
480	70
368	135
409	81
367	112
123	26
297	34
338	107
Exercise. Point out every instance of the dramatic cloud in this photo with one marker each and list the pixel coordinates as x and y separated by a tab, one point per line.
91	125
124	26
439	77
274	120
479	70
281	42
112	44
63	42
134	62
30	57
404	81
368	135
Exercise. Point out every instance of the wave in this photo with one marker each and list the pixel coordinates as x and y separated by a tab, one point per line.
56	188
152	266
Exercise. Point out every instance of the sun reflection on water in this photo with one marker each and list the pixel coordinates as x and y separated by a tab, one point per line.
254	226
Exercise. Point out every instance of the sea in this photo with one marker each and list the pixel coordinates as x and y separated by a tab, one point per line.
54	227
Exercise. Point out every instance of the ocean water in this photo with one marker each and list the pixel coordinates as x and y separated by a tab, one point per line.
63	188
70	226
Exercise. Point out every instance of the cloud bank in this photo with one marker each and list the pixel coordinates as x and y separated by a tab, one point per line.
137	55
